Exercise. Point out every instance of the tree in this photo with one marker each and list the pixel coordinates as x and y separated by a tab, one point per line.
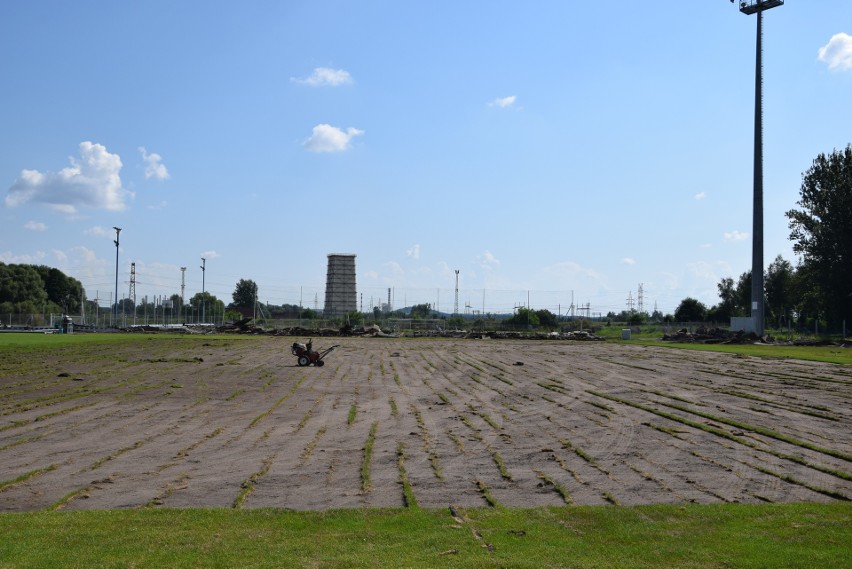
64	291
822	233
421	311
21	284
524	318
690	310
728	300
778	282
637	318
547	319
245	293
742	295
212	306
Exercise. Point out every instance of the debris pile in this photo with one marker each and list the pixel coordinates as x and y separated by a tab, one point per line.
714	336
247	326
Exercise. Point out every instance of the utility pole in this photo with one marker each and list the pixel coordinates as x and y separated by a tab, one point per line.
182	284
203	271
749	7
115	307
131	294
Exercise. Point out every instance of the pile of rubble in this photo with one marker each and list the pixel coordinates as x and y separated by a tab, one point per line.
579	335
247	326
714	336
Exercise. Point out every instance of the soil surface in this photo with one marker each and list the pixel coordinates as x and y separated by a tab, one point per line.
234	422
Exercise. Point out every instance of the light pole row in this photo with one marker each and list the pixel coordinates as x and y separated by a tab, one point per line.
115	305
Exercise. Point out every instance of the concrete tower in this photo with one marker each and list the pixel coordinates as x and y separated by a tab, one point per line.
340	295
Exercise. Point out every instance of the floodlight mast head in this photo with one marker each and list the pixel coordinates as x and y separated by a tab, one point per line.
749	7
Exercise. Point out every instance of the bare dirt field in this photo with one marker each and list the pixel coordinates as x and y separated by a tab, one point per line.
234	422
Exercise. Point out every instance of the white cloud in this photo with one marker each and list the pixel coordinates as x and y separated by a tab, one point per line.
327	138
488	261
736	235
84	264
837	53
569	275
154	168
503	102
395	268
13	259
91	181
700	196
35	226
703	270
66	209
210	255
98	231
325	77
628	260
414	252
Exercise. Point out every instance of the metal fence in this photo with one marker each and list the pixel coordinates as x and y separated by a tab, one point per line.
105	319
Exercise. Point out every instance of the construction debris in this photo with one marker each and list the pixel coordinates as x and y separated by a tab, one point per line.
714	336
246	326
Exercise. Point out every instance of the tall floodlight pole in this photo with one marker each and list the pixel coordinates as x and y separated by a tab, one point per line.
456	305
749	7
203	270
115	306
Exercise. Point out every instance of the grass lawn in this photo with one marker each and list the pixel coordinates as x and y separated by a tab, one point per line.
829	354
731	535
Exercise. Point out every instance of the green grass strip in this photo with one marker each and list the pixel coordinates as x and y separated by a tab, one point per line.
408	496
764	431
566	495
26	476
366	463
247	487
725	434
498	460
486	493
793	480
277	404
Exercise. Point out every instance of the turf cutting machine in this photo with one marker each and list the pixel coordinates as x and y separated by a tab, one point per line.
307	356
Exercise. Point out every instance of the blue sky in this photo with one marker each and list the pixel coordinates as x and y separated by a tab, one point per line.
546	150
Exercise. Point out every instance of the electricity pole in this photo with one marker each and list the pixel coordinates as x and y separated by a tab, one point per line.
115	307
203	270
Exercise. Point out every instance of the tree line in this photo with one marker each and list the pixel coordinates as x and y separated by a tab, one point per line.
38	289
819	289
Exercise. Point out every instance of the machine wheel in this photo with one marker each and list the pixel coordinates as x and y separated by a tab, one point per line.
303	360
319	363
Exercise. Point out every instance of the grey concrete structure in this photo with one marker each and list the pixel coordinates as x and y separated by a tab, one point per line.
340	292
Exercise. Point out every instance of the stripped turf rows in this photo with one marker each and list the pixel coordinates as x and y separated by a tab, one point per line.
393	422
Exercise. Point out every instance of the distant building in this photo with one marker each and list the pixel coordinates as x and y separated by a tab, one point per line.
340	294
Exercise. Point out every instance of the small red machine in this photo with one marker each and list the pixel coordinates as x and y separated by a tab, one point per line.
307	356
